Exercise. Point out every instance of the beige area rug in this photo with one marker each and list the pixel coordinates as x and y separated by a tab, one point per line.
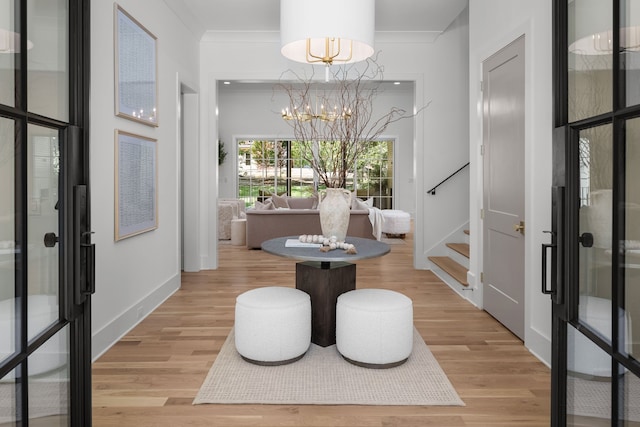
593	398
323	377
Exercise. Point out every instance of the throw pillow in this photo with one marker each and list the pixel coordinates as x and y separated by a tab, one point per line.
279	201
359	205
264	206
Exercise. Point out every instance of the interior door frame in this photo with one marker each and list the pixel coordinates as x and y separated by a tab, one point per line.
75	248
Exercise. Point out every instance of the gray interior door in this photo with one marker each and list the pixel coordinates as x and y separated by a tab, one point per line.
504	222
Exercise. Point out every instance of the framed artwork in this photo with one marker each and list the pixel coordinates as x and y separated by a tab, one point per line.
136	66
136	184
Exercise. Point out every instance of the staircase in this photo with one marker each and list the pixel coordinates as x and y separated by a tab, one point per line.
453	267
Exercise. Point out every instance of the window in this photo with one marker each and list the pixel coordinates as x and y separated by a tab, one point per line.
266	166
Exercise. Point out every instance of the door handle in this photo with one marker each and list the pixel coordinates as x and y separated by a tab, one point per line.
519	227
545	290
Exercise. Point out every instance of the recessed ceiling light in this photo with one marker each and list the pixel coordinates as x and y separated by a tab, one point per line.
227	83
396	83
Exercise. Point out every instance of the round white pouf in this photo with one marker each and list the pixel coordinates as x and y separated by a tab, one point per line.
374	327
396	221
273	325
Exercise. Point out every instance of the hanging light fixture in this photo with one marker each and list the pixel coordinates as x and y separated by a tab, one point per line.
327	31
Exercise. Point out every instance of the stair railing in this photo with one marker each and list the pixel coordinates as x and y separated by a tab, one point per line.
433	190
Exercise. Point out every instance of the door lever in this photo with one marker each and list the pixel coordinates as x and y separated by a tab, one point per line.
519	227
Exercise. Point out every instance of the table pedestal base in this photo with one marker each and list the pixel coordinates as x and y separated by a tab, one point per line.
324	282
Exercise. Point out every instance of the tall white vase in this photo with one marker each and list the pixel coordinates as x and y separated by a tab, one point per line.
335	205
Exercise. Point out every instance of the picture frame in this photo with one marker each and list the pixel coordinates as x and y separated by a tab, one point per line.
136	69
136	184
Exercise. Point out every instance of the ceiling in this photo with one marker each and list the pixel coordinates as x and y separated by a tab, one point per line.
404	16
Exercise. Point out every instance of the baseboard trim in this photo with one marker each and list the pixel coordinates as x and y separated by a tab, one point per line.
111	333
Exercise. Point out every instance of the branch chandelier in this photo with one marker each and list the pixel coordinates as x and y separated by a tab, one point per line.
602	43
326	115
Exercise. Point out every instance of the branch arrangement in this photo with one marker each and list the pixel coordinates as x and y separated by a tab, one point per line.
333	121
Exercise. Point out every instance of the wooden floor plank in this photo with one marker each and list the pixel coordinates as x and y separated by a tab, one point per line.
151	376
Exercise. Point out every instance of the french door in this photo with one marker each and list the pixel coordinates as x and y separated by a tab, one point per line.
594	280
46	255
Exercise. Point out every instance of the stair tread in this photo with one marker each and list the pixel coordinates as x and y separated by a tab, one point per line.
461	248
452	268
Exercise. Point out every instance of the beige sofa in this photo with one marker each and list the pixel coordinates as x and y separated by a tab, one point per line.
267	224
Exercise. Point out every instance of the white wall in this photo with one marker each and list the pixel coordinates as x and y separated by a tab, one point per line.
253	110
135	275
494	24
439	71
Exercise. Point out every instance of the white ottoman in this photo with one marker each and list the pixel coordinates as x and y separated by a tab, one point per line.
273	325
239	232
396	222
374	327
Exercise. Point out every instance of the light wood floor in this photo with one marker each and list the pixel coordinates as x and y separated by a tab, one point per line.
151	376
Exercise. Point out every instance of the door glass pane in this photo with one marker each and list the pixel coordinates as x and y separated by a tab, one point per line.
9	45
589	58
588	390
42	186
631	397
8	403
49	382
595	218
48	65
630	48
631	245
8	247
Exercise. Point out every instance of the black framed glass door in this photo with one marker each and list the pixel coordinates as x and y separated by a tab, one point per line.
46	256
595	277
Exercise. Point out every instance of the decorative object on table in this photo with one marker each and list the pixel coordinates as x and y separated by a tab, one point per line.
136	69
325	244
136	181
334	209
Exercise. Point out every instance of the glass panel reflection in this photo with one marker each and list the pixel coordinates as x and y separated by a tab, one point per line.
595	216
49	382
8	247
631	244
588	395
8	403
42	185
630	48
48	60
590	58
631	399
9	45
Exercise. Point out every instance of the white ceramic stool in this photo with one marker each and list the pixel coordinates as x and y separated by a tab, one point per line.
374	327
396	222
239	232
273	325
